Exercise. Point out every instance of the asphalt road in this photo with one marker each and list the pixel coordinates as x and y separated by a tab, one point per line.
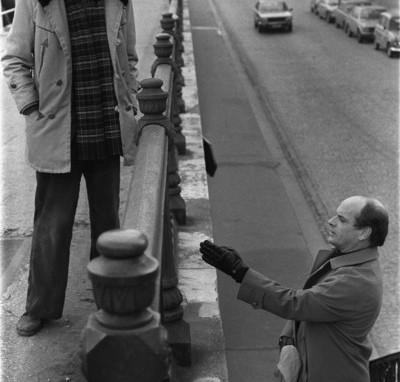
334	106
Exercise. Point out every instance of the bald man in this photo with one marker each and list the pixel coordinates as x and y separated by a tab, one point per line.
330	318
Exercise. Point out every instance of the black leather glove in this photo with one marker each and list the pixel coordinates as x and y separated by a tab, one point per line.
225	259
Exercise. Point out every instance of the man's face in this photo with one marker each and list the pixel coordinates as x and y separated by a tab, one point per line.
341	231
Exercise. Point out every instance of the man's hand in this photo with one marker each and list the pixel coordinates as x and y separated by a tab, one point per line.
225	259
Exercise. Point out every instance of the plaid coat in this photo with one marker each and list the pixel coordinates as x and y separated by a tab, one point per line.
37	67
335	312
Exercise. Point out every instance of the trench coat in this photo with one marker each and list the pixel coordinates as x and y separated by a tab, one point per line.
331	319
38	70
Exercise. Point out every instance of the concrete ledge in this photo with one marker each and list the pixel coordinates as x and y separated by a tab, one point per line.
197	281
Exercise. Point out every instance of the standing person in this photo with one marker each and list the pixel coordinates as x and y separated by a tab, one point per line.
330	318
71	67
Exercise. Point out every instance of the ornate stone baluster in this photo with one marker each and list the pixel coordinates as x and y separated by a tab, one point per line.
172	312
177	204
163	49
124	340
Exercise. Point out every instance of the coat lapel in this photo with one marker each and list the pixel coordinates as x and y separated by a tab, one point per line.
320	259
318	266
57	15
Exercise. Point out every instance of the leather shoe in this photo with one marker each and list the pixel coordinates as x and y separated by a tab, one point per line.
28	325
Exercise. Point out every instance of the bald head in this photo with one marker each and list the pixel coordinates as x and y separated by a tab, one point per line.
372	214
360	222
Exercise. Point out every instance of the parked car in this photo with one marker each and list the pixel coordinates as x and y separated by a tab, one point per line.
325	9
362	20
344	8
273	14
314	6
387	33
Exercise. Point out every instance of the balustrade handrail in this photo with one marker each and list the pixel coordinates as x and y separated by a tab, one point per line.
146	196
2	13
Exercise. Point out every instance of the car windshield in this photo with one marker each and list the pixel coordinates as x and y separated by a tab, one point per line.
370	14
394	24
273	6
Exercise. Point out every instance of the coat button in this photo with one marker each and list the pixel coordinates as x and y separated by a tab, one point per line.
51	116
116	109
117	42
59	83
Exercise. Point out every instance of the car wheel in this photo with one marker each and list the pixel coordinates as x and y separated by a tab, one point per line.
260	28
359	37
337	25
376	45
389	52
349	32
328	18
289	28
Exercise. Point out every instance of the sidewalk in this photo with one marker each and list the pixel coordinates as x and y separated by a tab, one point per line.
53	354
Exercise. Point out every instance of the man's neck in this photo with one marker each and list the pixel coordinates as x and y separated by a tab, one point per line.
353	249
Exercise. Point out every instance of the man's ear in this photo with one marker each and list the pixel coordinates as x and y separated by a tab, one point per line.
365	233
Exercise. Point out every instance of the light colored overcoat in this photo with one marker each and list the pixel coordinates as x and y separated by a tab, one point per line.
37	66
334	316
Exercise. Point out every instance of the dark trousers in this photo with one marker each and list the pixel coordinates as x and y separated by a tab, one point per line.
55	206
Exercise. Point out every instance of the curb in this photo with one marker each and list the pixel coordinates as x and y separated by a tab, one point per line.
197	280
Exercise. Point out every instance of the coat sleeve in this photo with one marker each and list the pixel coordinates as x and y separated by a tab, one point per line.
287	330
18	58
335	298
131	47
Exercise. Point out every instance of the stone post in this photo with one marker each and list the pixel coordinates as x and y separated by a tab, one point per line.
153	87
170	24
178	329
124	340
163	49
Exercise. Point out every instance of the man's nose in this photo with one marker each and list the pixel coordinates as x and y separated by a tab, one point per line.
332	220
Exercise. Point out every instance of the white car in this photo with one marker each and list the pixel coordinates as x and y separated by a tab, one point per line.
362	20
344	8
387	33
273	14
325	9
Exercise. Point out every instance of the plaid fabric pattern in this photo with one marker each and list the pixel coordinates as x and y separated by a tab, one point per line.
95	121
